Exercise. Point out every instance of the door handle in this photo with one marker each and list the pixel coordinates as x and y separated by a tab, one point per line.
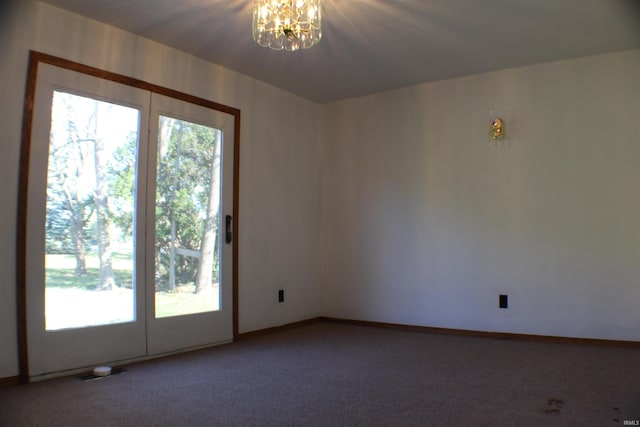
228	233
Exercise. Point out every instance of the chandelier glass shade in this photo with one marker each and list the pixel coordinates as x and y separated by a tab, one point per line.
287	24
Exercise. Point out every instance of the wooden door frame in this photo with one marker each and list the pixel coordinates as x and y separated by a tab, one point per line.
35	58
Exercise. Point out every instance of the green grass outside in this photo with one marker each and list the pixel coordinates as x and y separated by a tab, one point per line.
66	279
60	273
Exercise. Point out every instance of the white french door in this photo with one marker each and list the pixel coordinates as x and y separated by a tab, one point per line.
191	160
128	244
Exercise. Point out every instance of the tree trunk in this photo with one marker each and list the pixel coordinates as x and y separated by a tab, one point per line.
72	198
210	235
101	200
78	245
164	140
175	187
172	256
166	127
77	226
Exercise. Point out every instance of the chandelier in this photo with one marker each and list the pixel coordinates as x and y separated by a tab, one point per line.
287	24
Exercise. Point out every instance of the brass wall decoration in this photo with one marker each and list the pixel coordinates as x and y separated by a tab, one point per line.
497	129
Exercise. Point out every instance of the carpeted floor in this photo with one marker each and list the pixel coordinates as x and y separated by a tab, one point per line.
328	374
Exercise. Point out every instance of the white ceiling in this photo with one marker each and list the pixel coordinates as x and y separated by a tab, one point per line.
370	46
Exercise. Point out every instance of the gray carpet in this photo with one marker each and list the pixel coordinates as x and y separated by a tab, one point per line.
328	374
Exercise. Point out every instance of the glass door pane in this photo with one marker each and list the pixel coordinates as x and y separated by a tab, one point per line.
187	227
90	203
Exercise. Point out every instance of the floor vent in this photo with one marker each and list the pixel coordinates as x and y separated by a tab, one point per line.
91	377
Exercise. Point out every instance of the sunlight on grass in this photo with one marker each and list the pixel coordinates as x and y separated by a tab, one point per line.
73	302
179	303
76	308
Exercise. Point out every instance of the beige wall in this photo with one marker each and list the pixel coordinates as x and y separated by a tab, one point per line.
280	172
426	221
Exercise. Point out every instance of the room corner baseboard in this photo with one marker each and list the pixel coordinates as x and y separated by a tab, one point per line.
266	331
487	334
446	331
9	381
